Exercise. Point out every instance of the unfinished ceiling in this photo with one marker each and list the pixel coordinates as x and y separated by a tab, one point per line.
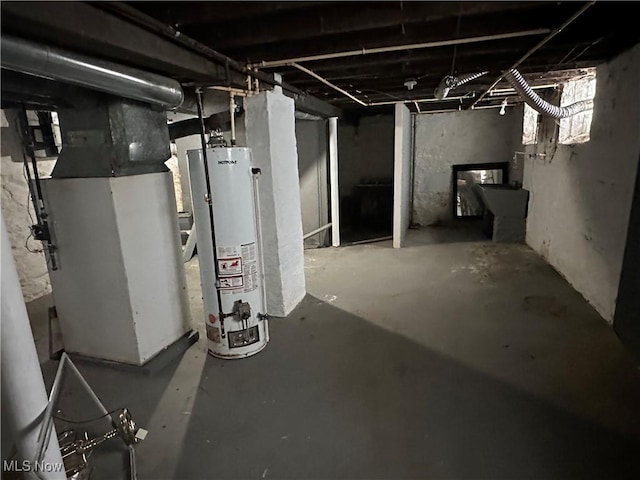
255	32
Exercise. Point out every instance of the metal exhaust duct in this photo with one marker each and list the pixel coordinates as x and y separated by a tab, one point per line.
532	99
450	82
58	64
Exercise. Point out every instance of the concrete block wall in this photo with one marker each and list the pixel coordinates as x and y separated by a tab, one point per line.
32	267
581	194
446	139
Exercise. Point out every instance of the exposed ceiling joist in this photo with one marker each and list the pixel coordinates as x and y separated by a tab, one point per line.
346	17
253	32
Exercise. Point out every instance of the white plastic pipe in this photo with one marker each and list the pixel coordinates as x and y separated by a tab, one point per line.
423	100
316	231
24	397
328	83
398	48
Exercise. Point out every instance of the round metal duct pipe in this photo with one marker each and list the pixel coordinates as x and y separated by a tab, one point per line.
57	64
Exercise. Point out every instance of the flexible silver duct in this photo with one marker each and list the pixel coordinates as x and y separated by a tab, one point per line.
542	106
57	64
450	82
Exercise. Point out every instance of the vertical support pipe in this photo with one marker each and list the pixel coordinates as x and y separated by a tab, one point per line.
263	286
209	200
24	396
232	113
414	121
333	180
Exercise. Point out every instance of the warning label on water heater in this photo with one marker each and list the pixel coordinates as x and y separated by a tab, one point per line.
230	266
231	283
238	268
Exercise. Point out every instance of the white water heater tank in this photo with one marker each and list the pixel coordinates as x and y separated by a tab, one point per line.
237	325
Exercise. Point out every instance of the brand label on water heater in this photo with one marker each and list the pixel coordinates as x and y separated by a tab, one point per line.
238	268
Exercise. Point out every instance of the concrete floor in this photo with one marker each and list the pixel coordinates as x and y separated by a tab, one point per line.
452	358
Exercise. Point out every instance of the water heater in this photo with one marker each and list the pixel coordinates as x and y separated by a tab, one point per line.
229	253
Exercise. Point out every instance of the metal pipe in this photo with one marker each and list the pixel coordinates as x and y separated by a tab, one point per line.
263	285
232	112
421	100
150	23
542	106
444	110
191	126
396	48
539	45
328	83
509	91
236	91
24	396
414	121
316	231
209	200
70	67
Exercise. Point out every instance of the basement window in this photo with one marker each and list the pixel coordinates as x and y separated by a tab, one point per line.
529	126
577	128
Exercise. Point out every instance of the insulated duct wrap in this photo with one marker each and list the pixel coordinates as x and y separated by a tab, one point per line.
542	106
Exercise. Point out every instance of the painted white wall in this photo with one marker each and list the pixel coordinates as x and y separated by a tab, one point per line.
312	143
581	194
401	174
452	138
270	132
32	267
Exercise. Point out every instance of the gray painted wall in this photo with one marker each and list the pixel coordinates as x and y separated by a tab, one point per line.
581	194
365	150
403	155
312	143
446	139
